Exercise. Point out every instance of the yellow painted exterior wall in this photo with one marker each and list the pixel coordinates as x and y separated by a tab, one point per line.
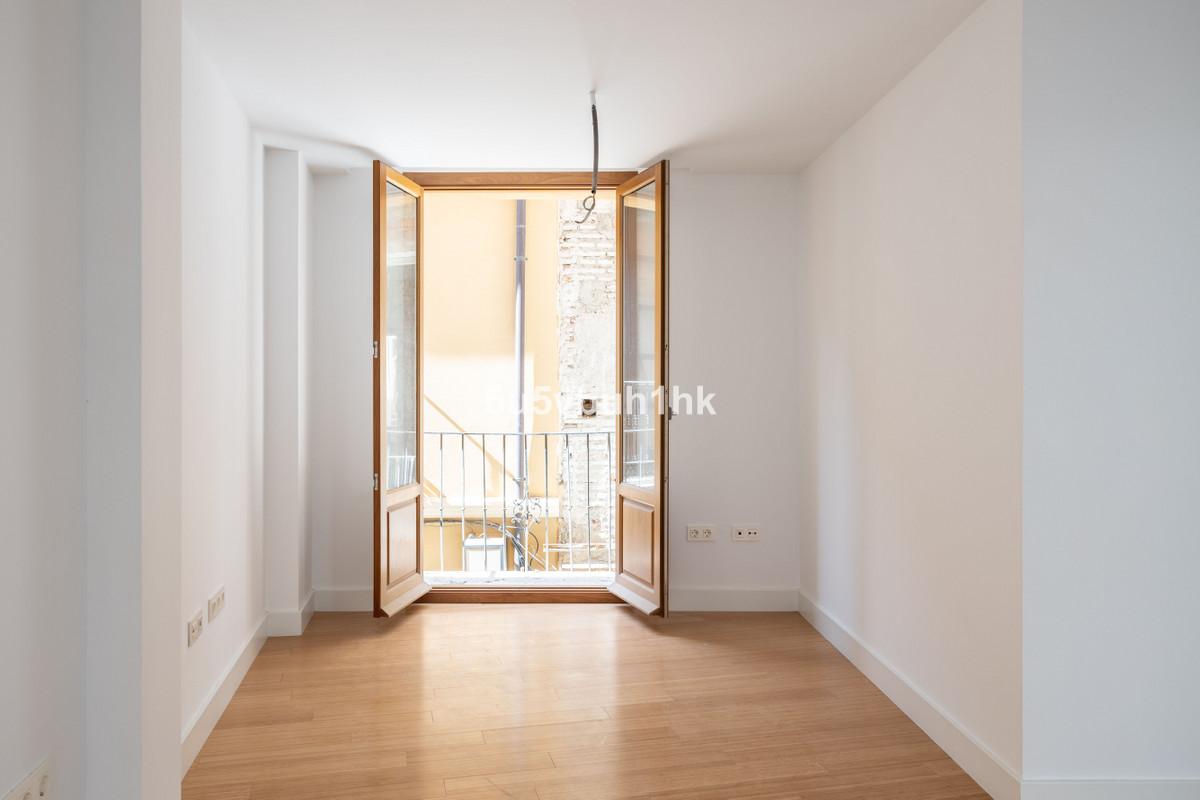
469	371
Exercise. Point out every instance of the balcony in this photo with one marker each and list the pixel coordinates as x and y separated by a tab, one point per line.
518	509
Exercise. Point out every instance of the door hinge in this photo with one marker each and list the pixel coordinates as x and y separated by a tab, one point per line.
375	349
375	482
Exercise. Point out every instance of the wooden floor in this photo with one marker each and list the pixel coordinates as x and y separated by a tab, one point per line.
557	702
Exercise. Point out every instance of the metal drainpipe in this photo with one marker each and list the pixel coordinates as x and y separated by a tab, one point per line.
519	326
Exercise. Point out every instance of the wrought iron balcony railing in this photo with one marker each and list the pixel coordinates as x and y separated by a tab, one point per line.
497	502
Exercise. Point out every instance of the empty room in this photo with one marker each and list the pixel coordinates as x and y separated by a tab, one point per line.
553	400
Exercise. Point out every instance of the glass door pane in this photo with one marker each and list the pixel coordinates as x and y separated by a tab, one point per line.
400	341
639	345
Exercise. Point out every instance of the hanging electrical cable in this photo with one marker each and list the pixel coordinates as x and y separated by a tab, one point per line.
589	202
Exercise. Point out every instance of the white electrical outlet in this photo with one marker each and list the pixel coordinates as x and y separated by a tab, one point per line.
36	786
195	627
216	603
700	533
747	533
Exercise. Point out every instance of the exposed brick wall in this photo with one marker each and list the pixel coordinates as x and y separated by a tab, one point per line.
586	368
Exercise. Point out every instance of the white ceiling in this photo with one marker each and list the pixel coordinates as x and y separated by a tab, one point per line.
717	85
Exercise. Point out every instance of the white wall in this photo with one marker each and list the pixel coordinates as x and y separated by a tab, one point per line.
41	404
733	330
1112	393
911	299
733	243
158	276
304	336
221	374
132	271
341	499
94	365
112	365
287	189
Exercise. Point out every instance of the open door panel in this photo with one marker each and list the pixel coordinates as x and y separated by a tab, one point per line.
397	357
641	502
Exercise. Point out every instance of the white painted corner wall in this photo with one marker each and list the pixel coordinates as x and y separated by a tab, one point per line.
734	332
1111	640
246	369
287	313
222	416
247	332
341	497
132	283
42	568
1004	251
910	305
245	420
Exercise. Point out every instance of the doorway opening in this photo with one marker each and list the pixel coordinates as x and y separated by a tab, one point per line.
519	363
598	492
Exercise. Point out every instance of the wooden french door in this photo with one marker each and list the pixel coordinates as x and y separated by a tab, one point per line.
641	260
397	354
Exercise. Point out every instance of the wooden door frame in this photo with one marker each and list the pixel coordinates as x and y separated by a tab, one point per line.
523	182
658	174
516	181
382	175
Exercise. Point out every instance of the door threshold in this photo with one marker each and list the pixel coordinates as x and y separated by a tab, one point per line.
522	594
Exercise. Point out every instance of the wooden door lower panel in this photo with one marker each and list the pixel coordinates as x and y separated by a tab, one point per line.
639	550
400	580
637	544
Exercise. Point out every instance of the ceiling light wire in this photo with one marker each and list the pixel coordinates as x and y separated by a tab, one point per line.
589	203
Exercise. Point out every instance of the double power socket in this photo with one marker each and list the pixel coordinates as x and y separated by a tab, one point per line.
738	533
36	785
195	625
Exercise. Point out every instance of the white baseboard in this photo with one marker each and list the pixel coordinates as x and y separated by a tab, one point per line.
1111	790
196	732
695	598
345	599
995	777
291	622
310	607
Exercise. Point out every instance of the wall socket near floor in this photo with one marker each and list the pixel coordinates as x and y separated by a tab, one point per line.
700	533
195	627
36	786
747	533
216	603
